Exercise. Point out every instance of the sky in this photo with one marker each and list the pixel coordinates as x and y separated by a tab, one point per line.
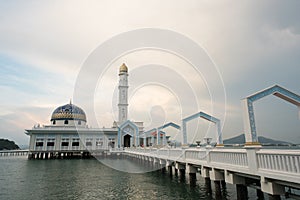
44	46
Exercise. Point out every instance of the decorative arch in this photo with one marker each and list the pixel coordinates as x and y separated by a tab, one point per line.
164	134
147	133
122	131
208	117
247	103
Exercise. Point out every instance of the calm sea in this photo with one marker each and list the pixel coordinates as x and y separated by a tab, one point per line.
90	179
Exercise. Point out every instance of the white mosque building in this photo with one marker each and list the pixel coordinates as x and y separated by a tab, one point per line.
69	135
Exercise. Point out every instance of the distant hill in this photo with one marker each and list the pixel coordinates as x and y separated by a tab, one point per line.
263	140
8	145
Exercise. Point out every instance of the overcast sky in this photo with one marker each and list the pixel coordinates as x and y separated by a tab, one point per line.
253	44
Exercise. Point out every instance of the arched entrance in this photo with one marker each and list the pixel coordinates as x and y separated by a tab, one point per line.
128	134
127	140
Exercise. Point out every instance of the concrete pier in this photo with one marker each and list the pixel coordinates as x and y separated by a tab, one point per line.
218	191
274	197
259	194
208	185
241	192
170	170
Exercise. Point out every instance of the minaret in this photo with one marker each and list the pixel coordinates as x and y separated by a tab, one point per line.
123	93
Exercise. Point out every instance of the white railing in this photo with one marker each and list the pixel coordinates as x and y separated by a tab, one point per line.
196	154
279	160
233	157
276	164
176	153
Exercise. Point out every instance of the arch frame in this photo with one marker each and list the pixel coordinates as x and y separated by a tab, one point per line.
248	110
146	133
205	116
170	124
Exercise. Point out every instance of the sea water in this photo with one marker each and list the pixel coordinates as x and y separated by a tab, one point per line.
21	178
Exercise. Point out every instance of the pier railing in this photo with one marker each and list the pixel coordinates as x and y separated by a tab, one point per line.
13	153
276	164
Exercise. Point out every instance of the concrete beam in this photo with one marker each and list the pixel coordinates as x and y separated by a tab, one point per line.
155	160
179	166
205	172
162	162
233	178
271	187
169	163
216	175
191	169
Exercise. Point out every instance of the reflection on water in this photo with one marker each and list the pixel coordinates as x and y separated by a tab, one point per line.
90	179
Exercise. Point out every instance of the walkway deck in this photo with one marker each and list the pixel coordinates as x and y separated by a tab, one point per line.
274	168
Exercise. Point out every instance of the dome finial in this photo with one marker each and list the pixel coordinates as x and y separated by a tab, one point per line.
70	100
123	68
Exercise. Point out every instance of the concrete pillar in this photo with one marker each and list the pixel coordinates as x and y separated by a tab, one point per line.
162	162
193	179
218	192
170	170
274	197
182	172
181	169
223	184
204	172
271	188
259	194
179	166
208	185
241	192
233	178
155	162
175	171
190	169
216	175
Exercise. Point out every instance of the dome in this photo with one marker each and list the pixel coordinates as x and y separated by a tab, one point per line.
68	112
123	68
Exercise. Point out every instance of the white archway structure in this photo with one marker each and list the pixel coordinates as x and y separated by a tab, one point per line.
247	103
146	133
164	134
204	116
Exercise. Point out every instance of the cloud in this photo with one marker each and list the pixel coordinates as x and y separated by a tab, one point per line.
44	44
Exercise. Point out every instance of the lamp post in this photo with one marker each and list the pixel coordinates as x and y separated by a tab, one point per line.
208	141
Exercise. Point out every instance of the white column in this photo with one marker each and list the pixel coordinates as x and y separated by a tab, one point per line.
157	137
131	140
249	123
164	139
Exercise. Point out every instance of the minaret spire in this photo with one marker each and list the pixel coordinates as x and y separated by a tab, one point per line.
123	93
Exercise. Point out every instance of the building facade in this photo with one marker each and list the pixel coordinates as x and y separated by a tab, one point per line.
68	133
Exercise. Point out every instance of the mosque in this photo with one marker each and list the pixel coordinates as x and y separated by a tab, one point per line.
69	135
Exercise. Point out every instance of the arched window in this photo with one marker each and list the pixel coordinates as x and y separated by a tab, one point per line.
54	122
66	122
79	122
